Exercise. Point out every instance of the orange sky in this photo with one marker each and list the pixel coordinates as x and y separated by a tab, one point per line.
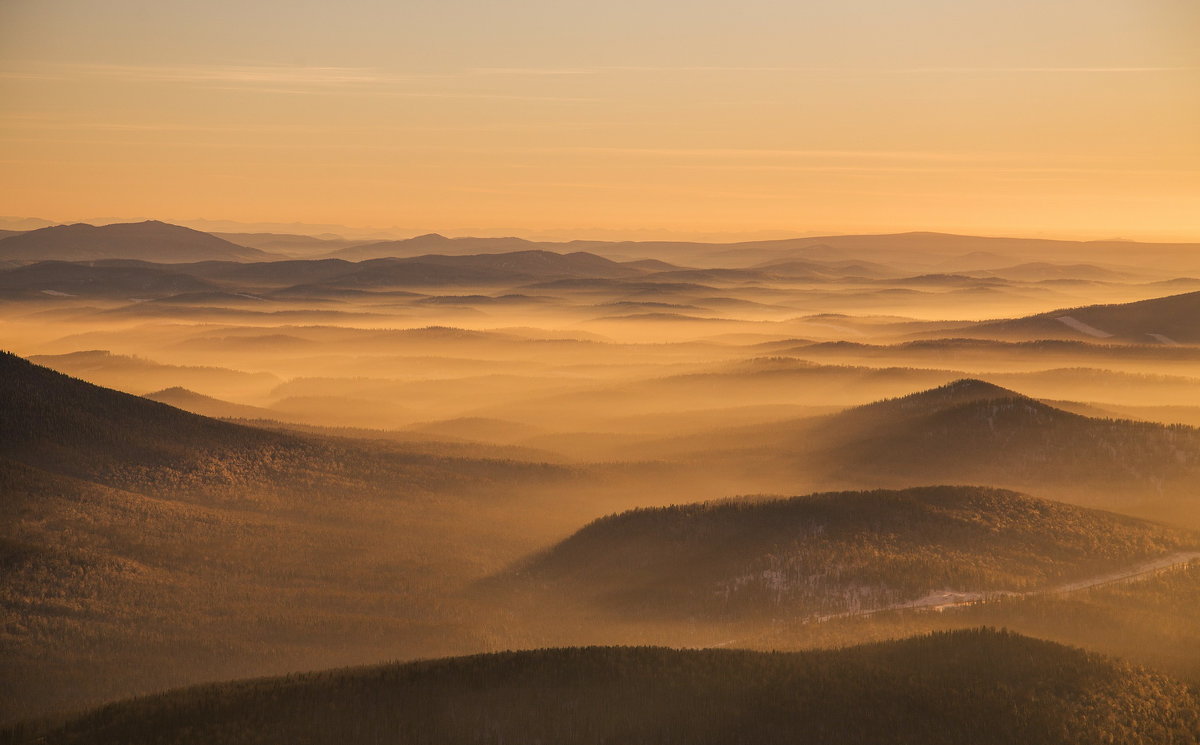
1058	117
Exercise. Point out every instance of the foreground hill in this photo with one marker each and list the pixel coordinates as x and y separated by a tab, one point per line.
831	553
981	687
149	241
1167	320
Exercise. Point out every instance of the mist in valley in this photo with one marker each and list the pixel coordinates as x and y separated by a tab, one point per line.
590	373
370	464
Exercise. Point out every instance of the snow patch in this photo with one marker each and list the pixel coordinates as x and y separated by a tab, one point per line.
1079	325
1165	340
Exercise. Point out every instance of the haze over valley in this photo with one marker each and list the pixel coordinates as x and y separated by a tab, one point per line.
570	373
231	467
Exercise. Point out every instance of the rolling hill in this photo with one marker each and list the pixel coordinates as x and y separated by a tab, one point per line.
981	686
970	432
827	554
149	241
975	432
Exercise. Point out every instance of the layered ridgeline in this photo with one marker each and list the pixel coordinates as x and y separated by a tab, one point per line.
980	686
829	554
143	547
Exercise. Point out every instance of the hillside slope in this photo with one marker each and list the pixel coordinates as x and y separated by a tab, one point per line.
829	553
143	547
1166	320
967	431
982	687
1150	621
975	432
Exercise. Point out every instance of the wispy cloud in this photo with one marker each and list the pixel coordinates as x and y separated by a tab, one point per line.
531	71
245	74
1024	70
291	78
295	80
596	70
789	153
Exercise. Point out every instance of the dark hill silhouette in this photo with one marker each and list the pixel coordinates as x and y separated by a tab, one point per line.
150	241
830	553
973	431
989	435
967	431
978	686
1040	270
1166	320
61	424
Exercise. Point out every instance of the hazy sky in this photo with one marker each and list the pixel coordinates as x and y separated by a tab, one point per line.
1063	117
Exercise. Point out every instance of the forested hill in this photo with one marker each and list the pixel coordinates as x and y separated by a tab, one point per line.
974	432
1165	320
67	425
829	553
143	548
978	686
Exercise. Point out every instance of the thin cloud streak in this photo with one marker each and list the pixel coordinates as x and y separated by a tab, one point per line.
254	75
820	69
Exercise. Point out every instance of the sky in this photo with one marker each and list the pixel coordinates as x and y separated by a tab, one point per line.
1066	118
